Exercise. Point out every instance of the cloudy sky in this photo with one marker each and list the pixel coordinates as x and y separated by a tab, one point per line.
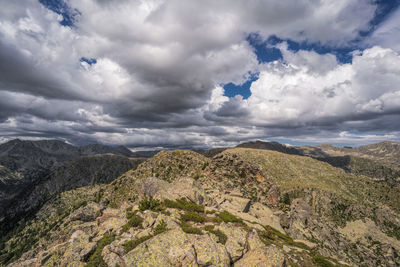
173	73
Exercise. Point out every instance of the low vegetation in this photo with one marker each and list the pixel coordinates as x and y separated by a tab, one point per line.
193	216
96	260
222	238
150	203
131	244
187	228
134	221
183	204
229	217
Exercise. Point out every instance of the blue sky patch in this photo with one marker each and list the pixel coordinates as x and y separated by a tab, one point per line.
90	61
263	49
62	8
232	89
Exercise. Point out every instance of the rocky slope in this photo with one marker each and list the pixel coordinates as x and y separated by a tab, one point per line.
28	162
380	161
88	170
243	207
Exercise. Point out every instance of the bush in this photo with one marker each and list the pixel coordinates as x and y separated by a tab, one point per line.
321	261
222	238
229	217
286	199
187	228
96	260
183	204
129	215
149	203
160	228
205	164
217	220
134	221
131	244
129	209
192	216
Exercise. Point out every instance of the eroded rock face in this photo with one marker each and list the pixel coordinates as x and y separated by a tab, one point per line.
165	249
235	245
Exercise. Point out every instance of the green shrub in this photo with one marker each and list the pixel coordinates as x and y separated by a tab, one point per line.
217	220
149	203
278	234
129	215
160	228
210	211
205	164
229	217
394	230
197	176
209	227
96	260
131	244
222	238
321	261
166	212
134	221
192	216
187	228
286	199
183	204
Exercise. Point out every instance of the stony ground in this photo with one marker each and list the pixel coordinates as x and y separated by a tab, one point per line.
243	207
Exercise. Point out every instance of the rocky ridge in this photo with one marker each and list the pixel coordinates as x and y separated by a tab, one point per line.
243	207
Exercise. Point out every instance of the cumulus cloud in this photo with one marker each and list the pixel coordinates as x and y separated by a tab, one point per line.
388	34
160	66
295	92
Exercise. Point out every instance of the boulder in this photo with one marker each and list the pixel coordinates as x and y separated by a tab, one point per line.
235	244
170	248
87	213
265	216
209	252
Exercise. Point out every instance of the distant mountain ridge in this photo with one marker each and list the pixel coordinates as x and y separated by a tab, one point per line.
24	162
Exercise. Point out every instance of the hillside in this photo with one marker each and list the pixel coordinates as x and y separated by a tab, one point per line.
387	153
243	207
381	160
28	162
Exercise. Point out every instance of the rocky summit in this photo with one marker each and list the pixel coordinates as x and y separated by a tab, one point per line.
243	206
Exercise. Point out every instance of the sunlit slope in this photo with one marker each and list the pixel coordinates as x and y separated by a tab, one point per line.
291	172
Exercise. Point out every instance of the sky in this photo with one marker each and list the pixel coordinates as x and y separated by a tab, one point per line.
199	74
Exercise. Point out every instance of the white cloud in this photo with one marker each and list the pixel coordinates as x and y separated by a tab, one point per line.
388	33
295	92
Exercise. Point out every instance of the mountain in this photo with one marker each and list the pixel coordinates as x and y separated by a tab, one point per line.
94	149
24	164
380	161
84	171
387	153
242	207
275	146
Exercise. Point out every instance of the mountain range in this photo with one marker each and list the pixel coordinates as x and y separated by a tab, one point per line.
257	204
